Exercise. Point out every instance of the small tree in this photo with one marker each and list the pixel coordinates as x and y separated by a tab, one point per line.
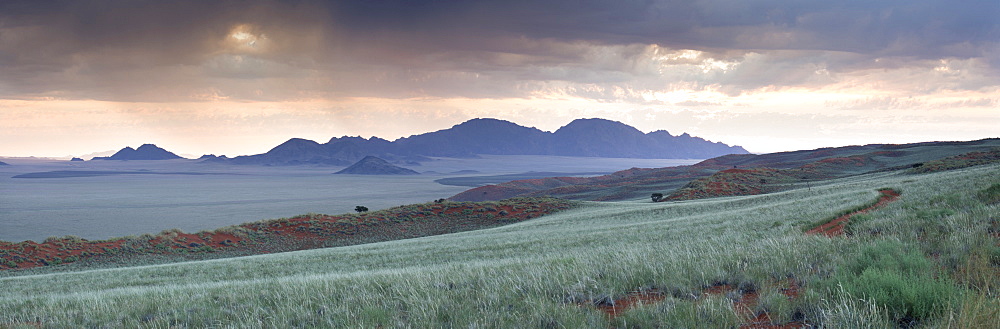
657	197
361	209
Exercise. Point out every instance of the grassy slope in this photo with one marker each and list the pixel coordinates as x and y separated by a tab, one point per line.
638	183
534	273
309	231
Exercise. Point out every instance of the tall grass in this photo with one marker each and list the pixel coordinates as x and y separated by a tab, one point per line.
543	272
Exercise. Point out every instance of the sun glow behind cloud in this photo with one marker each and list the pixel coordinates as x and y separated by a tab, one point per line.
244	39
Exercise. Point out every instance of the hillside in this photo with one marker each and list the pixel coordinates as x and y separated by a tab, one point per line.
371	165
582	137
285	234
714	263
823	163
144	152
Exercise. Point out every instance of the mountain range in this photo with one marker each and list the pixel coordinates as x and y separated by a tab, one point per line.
582	137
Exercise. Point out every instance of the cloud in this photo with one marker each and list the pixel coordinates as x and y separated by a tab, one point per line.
610	50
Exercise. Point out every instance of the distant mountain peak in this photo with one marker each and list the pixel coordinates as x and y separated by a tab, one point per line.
144	152
660	132
598	125
372	165
486	122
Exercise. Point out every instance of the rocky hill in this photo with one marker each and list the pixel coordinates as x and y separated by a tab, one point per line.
144	152
371	165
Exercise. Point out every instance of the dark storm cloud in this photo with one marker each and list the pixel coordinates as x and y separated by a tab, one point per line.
169	50
913	28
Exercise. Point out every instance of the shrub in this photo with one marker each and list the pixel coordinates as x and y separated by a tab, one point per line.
900	280
919	297
990	195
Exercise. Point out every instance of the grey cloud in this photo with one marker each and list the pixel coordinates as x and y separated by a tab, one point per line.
164	50
910	103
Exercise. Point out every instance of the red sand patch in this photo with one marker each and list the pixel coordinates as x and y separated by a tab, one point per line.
835	227
638	297
30	254
747	302
731	182
744	305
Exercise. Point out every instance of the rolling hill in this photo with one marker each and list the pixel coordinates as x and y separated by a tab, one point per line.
371	165
806	165
712	263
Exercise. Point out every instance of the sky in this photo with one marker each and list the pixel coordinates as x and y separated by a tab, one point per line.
240	77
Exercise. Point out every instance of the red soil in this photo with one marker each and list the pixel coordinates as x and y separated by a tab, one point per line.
638	297
730	182
835	227
960	161
856	160
180	240
747	302
744	305
30	254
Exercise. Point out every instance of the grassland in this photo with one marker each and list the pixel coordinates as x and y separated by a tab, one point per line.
929	259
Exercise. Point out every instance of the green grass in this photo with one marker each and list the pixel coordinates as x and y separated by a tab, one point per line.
898	278
990	194
534	273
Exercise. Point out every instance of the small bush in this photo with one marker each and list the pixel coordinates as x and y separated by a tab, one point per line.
898	279
990	195
919	297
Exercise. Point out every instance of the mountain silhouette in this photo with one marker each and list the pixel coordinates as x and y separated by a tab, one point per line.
371	165
582	137
144	152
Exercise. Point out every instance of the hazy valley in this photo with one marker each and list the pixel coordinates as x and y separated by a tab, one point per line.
100	207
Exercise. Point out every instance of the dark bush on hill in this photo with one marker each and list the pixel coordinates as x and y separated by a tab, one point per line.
990	195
